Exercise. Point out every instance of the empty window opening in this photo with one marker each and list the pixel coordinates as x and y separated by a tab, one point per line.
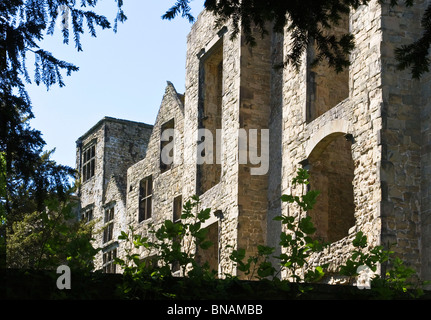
210	256
108	261
176	265
166	145
325	87
145	198
332	172
210	115
108	231
177	208
89	163
87	215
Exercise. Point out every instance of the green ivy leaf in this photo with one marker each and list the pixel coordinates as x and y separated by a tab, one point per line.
287	198
306	225
204	215
264	250
360	240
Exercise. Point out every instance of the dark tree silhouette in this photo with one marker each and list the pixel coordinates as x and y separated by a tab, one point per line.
310	20
28	176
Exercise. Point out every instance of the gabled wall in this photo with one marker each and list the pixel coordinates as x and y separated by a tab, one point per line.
166	184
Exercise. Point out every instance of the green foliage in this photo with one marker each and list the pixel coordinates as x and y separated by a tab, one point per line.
52	237
170	244
398	281
2	210
2	189
361	257
28	176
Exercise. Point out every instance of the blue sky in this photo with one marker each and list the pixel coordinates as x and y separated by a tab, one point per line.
122	75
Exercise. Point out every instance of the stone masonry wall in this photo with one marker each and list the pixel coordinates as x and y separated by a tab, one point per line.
425	116
224	195
254	115
165	185
401	137
358	115
91	191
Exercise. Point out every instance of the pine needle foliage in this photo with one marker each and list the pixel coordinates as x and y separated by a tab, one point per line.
310	22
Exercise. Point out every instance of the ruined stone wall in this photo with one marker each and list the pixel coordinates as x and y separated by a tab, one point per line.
358	115
387	120
364	135
224	195
91	191
326	87
401	137
240	194
254	119
275	141
425	210
126	143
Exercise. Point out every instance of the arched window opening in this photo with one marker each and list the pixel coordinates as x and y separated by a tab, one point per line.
331	172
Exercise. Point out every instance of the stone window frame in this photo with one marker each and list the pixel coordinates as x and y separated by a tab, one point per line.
170	124
205	55
88	161
145	204
87	213
310	111
109	215
177	207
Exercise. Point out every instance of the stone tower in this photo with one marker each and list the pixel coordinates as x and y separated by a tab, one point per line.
103	155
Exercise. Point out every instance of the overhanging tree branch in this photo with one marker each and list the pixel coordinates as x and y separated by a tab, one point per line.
310	21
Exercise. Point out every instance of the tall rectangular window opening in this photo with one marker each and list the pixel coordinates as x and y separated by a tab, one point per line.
145	196
176	218
109	225
210	115
108	261
89	162
177	209
87	215
211	254
166	145
325	87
